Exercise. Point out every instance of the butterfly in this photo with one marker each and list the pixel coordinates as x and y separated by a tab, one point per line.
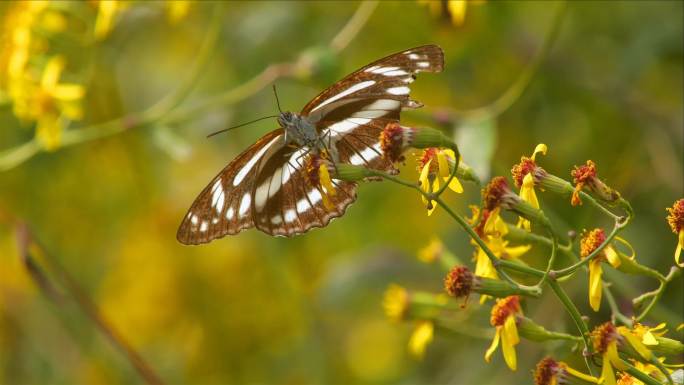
266	186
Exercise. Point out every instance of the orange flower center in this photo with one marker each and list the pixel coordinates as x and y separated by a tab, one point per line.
504	307
591	241
494	192
459	281
521	169
603	335
676	216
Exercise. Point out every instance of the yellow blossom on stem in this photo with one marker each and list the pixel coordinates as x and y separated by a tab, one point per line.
648	369
648	334
591	241
526	175
676	221
503	319
106	13
432	251
420	338
552	372
318	176
605	340
634	339
434	166
396	302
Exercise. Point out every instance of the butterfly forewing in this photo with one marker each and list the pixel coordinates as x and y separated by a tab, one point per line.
267	186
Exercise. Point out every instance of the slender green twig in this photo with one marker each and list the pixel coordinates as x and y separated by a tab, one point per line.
353	26
576	317
655	295
614	309
85	304
571	269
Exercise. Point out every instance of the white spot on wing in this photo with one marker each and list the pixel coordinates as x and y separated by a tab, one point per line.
423	64
204	226
314	196
303	205
244	204
276	220
369	153
290	215
194	220
395	73
347	125
250	163
275	182
403	90
260	195
230	213
348	91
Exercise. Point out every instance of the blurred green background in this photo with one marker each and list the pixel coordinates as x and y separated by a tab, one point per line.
307	310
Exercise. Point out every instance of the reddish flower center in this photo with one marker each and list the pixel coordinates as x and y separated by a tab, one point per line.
676	217
584	173
603	335
547	368
429	154
591	241
494	192
459	281
392	142
521	169
504	307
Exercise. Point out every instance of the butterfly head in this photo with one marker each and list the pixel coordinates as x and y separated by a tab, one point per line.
286	119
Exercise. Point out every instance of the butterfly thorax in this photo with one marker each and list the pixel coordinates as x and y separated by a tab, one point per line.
298	130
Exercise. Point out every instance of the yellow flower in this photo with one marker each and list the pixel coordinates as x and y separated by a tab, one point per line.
432	251
421	337
648	369
176	10
106	13
552	372
590	242
634	339
17	40
434	165
648	334
492	230
524	175
676	221
503	319
395	302
605	339
454	9
318	176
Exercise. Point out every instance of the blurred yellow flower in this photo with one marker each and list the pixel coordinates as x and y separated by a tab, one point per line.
421	337
503	319
648	334
434	165
395	302
432	251
49	103
107	11
176	10
454	9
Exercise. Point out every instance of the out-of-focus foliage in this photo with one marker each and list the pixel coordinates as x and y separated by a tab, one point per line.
257	309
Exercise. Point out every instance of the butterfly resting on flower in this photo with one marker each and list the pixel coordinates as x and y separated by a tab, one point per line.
281	184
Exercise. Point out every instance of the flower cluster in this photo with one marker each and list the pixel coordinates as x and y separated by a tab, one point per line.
625	353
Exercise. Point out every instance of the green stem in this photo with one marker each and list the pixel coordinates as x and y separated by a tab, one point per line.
571	269
617	314
576	317
636	373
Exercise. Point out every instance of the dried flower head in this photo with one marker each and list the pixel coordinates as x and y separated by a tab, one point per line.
459	282
394	140
547	371
676	216
587	176
504	308
603	336
497	193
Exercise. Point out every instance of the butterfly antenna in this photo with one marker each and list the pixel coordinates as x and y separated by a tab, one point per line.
240	125
277	101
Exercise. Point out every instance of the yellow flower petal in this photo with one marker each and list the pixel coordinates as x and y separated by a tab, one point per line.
612	256
516	251
421	337
49	131
457	9
326	182
423	178
53	69
635	342
595	273
612	356
607	374
680	246
68	92
106	12
494	345
455	185
509	338
581	375
527	191
540	149
176	10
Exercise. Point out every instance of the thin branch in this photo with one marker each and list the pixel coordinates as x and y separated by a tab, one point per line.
353	26
85	304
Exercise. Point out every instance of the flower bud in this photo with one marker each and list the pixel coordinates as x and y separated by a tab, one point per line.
667	346
535	332
349	172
